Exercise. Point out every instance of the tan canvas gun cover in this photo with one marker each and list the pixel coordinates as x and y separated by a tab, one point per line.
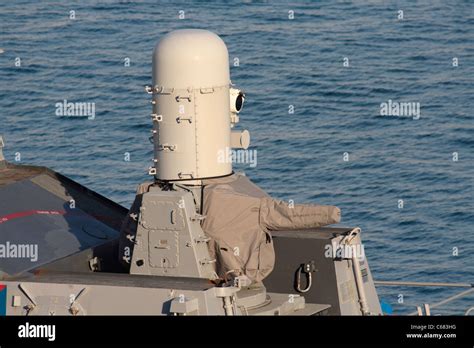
239	220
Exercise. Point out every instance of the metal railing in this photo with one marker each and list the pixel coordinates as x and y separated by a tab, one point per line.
433	284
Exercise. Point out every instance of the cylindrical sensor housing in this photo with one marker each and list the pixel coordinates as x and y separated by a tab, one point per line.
191	105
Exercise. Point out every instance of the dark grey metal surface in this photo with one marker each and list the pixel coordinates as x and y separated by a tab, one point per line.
35	210
103	209
293	248
39	219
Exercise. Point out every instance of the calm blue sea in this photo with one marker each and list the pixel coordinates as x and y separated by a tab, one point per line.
282	62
